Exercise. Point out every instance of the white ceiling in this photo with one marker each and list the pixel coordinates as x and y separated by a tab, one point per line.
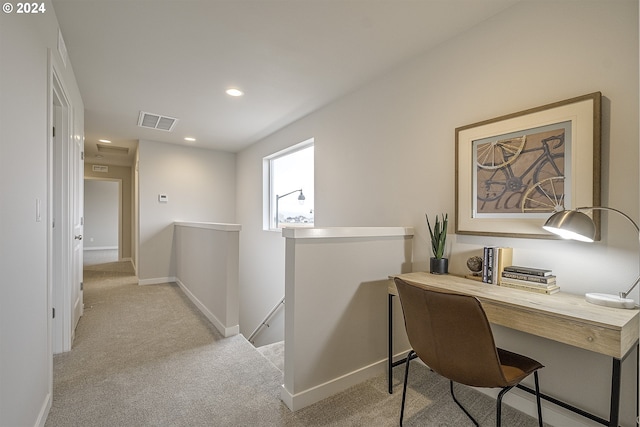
290	57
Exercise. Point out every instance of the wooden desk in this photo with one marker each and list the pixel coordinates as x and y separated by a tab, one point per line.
561	317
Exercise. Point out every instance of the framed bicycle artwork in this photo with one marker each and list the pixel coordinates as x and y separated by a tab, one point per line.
514	171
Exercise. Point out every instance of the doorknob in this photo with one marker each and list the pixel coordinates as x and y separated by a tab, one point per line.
78	237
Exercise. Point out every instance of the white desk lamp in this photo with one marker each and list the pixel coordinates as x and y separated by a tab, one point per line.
575	225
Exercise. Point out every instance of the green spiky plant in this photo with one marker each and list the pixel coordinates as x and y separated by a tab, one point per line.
438	235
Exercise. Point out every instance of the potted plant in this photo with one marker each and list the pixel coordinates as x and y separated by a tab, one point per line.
439	264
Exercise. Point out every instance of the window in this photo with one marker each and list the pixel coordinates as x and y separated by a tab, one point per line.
289	190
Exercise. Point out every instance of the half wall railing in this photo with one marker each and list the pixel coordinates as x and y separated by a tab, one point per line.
207	264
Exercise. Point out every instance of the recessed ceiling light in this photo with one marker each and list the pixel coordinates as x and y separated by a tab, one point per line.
234	92
189	139
106	141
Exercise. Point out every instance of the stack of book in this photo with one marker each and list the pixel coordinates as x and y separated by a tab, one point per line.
529	279
493	263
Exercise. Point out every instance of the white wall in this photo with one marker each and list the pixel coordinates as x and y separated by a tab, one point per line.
25	351
101	212
200	186
385	156
261	286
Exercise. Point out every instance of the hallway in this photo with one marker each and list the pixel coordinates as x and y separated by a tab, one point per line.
144	355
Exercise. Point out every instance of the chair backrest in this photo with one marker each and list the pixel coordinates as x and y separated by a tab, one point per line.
451	334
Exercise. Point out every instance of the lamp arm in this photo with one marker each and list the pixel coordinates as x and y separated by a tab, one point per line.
604	208
284	195
624	294
278	201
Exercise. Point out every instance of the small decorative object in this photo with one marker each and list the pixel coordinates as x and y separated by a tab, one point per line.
439	264
474	264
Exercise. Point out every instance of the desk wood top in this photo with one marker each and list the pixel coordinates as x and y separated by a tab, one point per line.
562	317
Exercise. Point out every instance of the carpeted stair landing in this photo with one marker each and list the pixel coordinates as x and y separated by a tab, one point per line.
274	353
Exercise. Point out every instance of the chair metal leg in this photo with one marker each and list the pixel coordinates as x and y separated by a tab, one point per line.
404	388
460	405
535	376
499	405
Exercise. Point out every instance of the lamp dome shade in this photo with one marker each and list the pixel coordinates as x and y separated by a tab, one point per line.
571	225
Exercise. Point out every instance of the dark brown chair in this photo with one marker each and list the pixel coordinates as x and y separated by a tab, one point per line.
450	333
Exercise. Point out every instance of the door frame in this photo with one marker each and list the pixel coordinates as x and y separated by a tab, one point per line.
60	204
119	181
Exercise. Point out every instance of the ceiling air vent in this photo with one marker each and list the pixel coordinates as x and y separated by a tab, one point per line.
156	121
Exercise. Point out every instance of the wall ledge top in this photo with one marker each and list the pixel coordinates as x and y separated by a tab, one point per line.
345	232
210	225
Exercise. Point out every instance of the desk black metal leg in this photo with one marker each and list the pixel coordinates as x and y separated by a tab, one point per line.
390	354
614	410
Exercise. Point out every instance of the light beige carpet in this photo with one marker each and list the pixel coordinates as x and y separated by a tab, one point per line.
145	356
274	353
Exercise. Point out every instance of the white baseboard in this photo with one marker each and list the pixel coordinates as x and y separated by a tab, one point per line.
156	281
517	399
226	331
524	402
44	411
322	391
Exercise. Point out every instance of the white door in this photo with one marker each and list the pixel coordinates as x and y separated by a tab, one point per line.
67	222
77	218
59	230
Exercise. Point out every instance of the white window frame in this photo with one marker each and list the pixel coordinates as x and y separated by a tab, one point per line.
269	198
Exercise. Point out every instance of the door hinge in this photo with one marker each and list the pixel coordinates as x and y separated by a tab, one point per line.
53	132
82	286
53	314
82	155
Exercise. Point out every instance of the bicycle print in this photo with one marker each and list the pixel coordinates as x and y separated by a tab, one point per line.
521	174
